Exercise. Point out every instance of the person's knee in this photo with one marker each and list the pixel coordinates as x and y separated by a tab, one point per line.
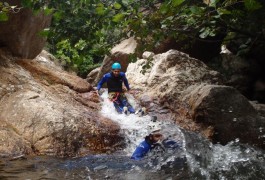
131	109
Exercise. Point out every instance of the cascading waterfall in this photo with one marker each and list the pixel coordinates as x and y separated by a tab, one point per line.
133	126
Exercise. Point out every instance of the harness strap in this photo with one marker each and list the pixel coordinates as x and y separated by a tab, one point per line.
117	94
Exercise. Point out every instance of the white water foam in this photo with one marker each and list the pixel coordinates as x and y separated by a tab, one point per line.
133	126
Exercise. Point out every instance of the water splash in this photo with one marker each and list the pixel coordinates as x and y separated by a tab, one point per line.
215	161
133	126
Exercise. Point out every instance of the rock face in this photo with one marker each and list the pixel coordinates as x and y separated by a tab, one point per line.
246	75
171	73
21	33
185	90
160	88
227	111
92	75
44	110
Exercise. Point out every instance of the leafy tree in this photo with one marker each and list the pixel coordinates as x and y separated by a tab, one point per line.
83	31
183	19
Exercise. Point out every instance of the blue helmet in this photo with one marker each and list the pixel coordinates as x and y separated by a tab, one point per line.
116	66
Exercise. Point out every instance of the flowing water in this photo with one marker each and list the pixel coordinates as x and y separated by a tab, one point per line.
196	158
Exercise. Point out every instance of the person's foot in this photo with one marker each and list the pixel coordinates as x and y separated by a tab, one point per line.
125	110
141	112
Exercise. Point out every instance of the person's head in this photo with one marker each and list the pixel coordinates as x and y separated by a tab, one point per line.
156	137
155	134
116	68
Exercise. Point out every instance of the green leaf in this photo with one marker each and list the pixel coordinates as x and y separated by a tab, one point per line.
164	26
243	46
252	5
27	3
118	17
44	32
3	16
117	5
57	15
177	2
213	3
125	2
6	4
196	10
204	33
164	8
100	10
202	29
48	11
5	9
222	11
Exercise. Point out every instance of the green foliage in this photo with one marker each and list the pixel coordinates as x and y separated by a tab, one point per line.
83	31
6	9
3	16
183	19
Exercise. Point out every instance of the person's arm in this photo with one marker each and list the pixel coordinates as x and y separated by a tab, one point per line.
125	80
140	152
101	82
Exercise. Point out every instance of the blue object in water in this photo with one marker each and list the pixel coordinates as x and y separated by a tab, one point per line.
120	103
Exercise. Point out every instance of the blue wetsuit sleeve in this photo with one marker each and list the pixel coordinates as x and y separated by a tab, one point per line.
140	151
102	81
125	80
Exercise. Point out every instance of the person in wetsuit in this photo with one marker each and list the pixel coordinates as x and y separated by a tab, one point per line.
151	142
115	80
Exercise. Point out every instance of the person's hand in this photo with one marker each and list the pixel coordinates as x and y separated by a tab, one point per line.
132	91
124	90
97	91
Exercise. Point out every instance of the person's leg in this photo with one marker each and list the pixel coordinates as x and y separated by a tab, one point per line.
141	112
118	108
125	102
117	104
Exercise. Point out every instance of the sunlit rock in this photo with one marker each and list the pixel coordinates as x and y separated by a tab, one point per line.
148	54
44	110
92	75
170	74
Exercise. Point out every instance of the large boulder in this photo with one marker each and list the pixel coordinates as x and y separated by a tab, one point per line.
180	88
21	33
227	111
171	73
44	110
244	74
